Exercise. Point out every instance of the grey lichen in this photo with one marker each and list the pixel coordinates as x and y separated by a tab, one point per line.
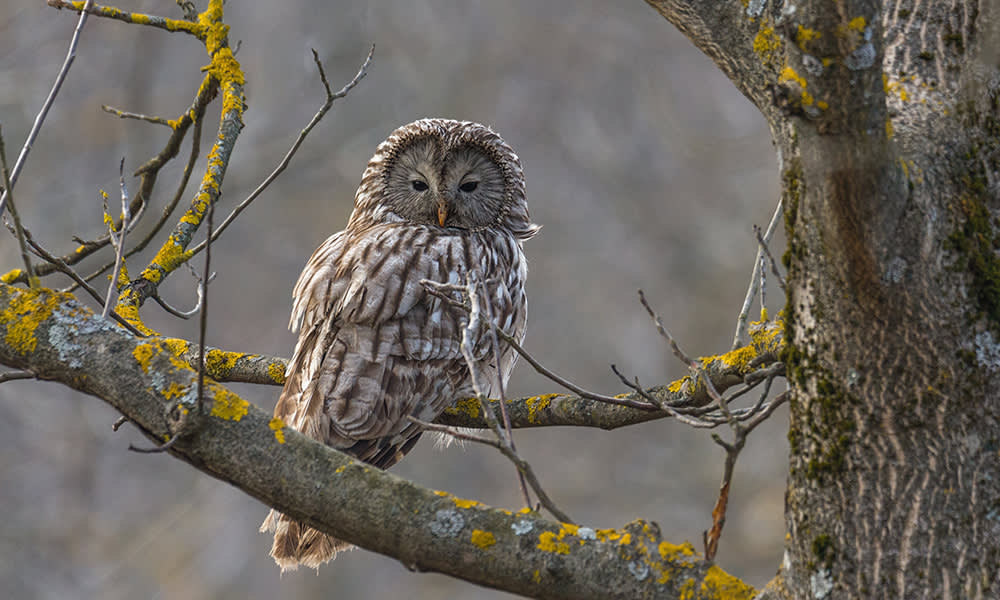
447	523
522	527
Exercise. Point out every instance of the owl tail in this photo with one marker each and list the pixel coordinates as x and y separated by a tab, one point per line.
295	543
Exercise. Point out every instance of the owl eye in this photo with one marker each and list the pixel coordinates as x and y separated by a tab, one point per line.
418	185
469	186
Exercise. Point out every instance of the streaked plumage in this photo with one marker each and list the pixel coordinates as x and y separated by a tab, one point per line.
438	199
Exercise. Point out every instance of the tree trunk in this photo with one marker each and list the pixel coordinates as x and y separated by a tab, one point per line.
887	128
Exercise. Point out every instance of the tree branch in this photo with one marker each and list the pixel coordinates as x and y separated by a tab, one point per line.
426	530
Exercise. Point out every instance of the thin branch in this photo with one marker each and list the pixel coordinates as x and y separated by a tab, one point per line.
505	414
169	208
687	360
118	241
110	12
683	418
438	289
331	97
124	114
472	328
36	127
741	320
203	301
156	449
15	375
770	258
18	228
455	432
186	314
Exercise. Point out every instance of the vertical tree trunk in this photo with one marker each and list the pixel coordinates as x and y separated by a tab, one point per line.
887	127
894	309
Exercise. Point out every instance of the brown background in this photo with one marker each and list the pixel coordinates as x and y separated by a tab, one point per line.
644	164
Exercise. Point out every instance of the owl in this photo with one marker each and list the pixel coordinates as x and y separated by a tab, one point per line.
439	200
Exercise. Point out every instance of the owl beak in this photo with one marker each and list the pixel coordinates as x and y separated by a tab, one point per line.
442	211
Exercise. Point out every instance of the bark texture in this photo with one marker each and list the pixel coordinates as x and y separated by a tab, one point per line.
148	380
886	122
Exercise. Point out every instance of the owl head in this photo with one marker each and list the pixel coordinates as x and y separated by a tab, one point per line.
448	174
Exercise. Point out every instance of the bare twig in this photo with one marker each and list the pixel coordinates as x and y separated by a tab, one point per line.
169	208
331	97
118	423
770	258
18	227
687	360
124	114
118	241
734	418
47	105
439	290
186	314
14	375
740	434
203	301
741	320
455	432
677	414
156	449
505	415
472	328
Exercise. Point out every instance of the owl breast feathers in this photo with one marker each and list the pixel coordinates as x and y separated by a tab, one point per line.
439	200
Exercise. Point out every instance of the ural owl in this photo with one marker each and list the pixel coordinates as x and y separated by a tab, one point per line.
439	199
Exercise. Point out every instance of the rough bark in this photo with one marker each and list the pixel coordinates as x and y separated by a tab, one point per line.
886	122
230	439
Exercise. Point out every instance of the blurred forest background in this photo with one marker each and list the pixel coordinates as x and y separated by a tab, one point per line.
646	167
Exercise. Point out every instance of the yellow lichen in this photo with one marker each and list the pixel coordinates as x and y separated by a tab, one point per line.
220	362
788	74
804	36
482	539
340	469
608	535
440	493
228	405
276	372
857	24
766	43
536	576
144	353
468	406
462	503
719	584
277	425
25	313
548	542
176	346
537	404
553	542
678	385
174	390
11	276
674	552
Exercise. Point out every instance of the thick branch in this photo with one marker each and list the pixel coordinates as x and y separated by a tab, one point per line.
236	442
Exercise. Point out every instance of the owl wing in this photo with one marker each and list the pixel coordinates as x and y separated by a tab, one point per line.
374	346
